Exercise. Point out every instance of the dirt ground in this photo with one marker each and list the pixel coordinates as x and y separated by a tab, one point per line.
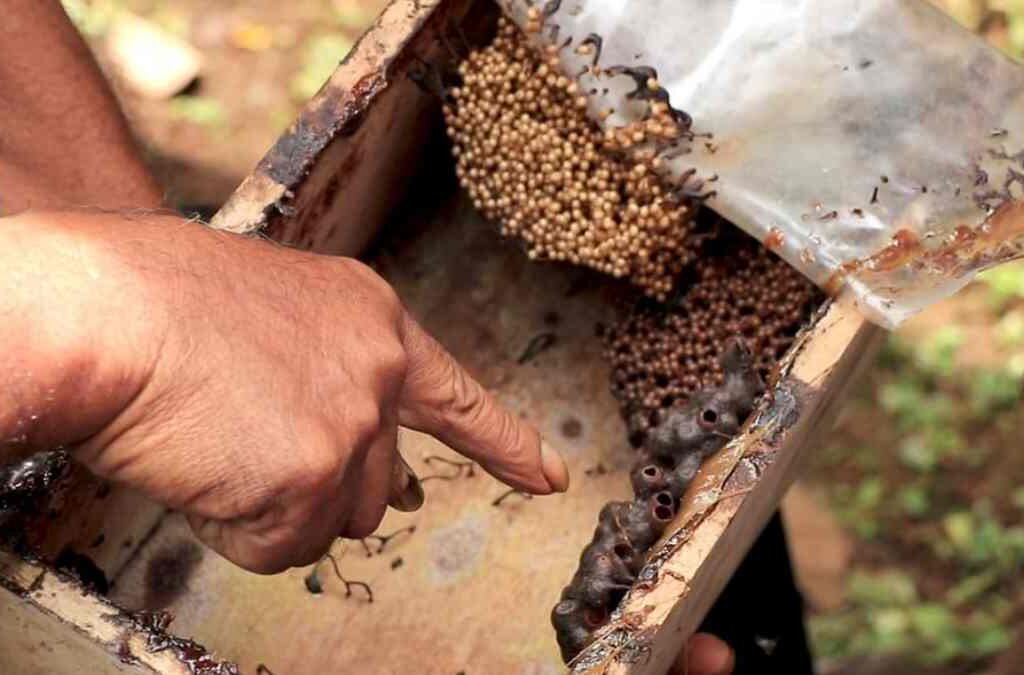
905	529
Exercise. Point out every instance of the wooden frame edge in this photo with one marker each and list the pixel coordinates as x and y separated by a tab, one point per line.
733	497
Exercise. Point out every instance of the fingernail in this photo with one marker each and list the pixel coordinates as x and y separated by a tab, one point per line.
555	470
406	491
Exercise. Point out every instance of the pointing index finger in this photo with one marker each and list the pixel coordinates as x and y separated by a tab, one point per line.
440	398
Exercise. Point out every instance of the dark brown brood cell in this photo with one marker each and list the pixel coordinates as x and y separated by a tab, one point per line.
661	355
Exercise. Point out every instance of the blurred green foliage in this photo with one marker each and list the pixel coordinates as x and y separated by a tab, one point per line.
321	54
1004	283
887	615
92	17
909	500
201	110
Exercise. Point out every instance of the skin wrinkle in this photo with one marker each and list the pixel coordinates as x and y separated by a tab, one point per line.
196	350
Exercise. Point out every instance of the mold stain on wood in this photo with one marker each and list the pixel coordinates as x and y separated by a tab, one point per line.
168	572
457	549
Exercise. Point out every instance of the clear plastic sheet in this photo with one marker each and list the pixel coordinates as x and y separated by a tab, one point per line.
874	144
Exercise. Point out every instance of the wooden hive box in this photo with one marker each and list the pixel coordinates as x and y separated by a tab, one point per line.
471	589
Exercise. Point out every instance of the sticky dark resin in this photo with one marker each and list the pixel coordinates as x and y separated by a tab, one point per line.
594	43
507	494
537	345
383	540
675	449
168	572
83	569
315	586
192	654
25	485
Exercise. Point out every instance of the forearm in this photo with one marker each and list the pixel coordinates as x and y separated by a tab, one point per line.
74	345
63	138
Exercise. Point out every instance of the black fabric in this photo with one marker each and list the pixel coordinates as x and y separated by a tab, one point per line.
761	613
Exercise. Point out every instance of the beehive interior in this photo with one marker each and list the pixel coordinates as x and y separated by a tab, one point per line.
534	162
472	587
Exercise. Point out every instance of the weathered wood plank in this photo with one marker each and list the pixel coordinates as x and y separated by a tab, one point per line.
50	626
332	179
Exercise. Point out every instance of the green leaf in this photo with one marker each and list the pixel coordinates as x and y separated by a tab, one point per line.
915	500
959	529
1006	282
916	453
991	391
972	588
914	408
352	16
887	588
932	622
1015	366
890	627
831	634
1010	330
321	56
91	18
200	110
869	494
936	355
984	637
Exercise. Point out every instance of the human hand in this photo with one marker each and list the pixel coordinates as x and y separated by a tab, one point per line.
705	654
255	388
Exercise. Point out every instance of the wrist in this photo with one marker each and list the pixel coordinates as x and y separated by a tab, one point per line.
81	336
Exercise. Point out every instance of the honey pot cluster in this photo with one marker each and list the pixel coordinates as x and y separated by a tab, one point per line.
532	161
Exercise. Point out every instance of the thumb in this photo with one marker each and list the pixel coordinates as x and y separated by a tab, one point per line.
443	400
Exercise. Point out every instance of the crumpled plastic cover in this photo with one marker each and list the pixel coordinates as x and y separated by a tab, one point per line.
874	144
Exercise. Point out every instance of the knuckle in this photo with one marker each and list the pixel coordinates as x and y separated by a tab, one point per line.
365	423
375	285
392	362
319	468
324	472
